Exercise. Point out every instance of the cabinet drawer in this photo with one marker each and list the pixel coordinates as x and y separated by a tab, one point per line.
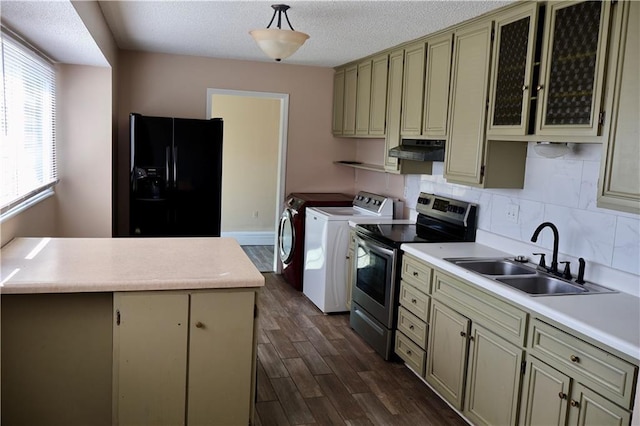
412	327
603	372
411	353
417	273
501	317
415	301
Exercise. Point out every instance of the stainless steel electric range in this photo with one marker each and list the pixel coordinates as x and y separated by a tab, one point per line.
378	262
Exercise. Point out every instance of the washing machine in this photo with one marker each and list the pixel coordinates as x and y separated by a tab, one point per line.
292	227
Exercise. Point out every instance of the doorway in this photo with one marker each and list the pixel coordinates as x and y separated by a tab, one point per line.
254	157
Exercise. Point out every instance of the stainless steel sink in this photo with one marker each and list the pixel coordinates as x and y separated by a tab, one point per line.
525	277
494	267
542	284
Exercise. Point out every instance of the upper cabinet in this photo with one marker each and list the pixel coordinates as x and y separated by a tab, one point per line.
619	183
436	87
572	68
360	98
471	159
378	104
548	82
510	101
338	102
425	93
350	100
413	89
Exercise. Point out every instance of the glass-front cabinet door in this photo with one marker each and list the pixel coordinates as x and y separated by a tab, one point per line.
572	67
512	73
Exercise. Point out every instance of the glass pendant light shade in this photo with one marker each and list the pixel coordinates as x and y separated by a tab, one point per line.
277	43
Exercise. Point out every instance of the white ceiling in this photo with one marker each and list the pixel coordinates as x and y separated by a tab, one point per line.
340	31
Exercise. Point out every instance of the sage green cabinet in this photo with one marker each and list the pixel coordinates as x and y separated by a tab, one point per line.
437	77
464	152
572	68
394	108
425	95
447	353
493	379
338	103
413	89
378	108
351	265
471	159
512	85
363	98
545	392
183	355
619	183
360	98
350	100
551	397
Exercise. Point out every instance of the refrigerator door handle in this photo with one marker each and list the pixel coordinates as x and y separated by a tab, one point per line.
166	165
175	166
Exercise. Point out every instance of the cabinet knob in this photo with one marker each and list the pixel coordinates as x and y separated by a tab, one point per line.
199	325
539	87
574	403
463	334
470	337
574	358
414	301
408	352
525	87
410	327
415	274
562	395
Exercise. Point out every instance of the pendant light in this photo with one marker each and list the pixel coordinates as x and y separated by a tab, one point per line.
276	42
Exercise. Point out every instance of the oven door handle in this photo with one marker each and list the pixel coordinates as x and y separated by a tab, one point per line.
375	246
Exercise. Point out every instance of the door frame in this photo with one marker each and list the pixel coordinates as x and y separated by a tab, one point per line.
282	148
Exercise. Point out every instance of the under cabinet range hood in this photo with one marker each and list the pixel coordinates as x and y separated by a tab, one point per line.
419	150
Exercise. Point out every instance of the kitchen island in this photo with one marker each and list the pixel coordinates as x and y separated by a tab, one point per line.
128	331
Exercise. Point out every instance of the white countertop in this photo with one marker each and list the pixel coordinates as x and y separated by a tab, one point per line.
612	318
71	265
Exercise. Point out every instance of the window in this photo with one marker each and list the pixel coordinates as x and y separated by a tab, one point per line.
27	127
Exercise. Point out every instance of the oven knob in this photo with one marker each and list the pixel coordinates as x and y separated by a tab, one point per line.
366	200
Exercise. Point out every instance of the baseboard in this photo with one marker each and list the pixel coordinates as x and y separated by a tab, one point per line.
252	238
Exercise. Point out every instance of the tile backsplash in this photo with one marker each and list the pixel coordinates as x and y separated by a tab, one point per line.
560	190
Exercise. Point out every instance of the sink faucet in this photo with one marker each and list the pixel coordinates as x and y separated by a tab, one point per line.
534	238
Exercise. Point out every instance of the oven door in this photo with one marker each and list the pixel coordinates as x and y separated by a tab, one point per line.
374	279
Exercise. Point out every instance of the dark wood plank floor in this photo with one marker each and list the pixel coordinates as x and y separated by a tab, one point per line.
314	369
261	256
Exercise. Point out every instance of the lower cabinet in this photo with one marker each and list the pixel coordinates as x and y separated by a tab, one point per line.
351	267
447	353
498	364
183	357
478	372
551	397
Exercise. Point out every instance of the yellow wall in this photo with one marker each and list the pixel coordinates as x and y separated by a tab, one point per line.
250	161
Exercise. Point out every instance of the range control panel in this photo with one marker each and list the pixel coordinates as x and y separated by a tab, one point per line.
375	203
444	208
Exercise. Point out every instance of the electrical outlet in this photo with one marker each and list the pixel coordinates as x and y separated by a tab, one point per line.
513	211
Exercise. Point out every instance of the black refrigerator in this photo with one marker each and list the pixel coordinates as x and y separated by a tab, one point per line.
176	176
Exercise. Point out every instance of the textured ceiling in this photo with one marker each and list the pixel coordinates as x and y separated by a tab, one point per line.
340	31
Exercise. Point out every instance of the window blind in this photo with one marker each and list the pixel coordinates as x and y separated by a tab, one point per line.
27	121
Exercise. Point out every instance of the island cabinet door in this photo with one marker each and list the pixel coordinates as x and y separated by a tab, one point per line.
150	358
221	367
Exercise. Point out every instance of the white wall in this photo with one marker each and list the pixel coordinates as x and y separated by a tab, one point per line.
561	191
